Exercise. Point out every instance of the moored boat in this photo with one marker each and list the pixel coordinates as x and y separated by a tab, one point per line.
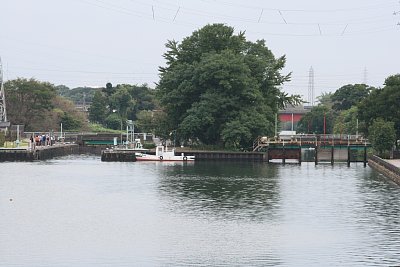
163	154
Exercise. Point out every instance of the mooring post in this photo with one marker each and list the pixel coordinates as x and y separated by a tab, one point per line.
365	156
267	154
283	154
300	155
332	155
348	156
316	155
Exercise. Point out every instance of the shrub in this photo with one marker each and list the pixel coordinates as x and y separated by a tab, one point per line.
2	138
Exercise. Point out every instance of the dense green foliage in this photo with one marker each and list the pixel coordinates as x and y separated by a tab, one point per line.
2	138
28	100
36	105
98	108
382	135
346	122
349	95
77	95
112	106
383	103
219	88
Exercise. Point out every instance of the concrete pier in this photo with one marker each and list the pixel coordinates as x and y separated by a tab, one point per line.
39	153
119	155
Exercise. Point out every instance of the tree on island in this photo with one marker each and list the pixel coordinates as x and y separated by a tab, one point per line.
219	88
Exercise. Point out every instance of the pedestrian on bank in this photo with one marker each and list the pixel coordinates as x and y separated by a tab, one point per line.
32	142
37	140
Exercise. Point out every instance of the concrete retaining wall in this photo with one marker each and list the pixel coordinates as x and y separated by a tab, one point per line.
41	153
385	168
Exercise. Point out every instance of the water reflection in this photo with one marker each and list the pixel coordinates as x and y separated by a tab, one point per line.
84	212
240	190
378	214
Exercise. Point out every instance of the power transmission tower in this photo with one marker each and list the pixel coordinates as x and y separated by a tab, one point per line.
3	113
311	86
365	76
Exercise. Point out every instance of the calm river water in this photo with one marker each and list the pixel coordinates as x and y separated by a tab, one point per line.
79	211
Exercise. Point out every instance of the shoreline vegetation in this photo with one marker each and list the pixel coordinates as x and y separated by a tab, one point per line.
218	90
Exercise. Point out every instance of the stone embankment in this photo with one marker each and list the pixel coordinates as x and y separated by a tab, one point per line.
389	168
39	153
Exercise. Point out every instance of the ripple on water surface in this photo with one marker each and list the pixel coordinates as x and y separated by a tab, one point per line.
79	211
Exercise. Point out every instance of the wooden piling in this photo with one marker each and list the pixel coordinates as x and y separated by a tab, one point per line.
332	155
316	155
299	155
348	156
365	156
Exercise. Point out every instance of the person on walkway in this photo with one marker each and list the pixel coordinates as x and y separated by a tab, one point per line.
43	140
37	140
31	142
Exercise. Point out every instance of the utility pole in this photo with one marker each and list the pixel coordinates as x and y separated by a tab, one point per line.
311	86
4	124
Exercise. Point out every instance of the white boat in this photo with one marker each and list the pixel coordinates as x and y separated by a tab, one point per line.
163	154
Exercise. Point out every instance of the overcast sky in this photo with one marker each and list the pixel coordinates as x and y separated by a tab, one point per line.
92	42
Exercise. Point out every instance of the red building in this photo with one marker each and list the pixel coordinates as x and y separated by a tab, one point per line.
290	116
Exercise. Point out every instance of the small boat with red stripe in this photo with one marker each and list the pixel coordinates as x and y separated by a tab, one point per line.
163	154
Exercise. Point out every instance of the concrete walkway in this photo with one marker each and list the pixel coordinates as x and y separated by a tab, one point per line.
394	162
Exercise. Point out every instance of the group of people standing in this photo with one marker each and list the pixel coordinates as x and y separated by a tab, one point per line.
41	140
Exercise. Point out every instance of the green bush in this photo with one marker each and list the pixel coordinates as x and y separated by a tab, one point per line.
2	138
98	128
149	145
113	121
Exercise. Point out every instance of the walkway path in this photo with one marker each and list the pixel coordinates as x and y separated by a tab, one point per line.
394	162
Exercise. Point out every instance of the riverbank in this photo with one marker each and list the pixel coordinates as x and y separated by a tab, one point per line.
389	168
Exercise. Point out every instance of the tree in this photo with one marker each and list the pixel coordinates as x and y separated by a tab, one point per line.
28	101
145	121
122	101
216	81
382	135
114	121
313	122
346	121
98	108
349	95
326	99
143	99
382	103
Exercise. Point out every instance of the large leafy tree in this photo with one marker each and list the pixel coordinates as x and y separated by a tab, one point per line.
382	103
349	95
28	101
219	88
